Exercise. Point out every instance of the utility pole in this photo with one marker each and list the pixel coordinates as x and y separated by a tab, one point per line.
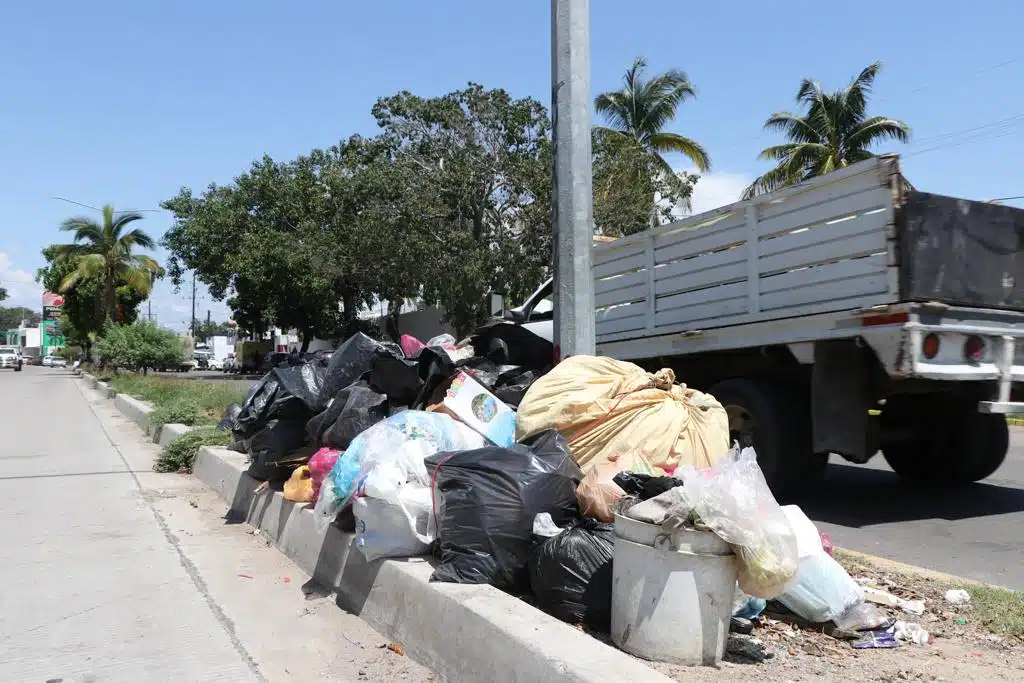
572	200
192	325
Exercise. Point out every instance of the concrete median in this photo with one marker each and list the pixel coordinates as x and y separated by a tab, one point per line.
465	633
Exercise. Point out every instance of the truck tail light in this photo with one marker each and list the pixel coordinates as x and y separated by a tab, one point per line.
974	348
930	347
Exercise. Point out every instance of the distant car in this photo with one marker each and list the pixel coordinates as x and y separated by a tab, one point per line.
47	361
10	358
54	362
228	364
32	360
215	364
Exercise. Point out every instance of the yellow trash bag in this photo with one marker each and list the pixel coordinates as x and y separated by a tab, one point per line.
606	408
299	487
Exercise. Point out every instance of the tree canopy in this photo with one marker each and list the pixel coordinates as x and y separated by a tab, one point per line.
82	315
140	346
107	251
12	317
834	131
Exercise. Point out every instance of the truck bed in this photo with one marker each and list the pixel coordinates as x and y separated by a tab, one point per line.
854	239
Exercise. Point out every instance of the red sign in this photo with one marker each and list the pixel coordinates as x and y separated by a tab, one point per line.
52	299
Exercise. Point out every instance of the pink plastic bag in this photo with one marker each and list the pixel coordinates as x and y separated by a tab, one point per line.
320	465
411	346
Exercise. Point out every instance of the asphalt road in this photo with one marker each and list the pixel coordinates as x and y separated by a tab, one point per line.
112	572
975	531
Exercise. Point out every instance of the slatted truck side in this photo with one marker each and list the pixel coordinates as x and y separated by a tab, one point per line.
807	310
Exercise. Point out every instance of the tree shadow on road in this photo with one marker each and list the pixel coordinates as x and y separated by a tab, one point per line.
857	497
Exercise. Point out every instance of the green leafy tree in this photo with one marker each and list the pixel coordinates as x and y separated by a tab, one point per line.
204	329
834	131
260	242
106	250
12	317
3	294
475	168
140	346
625	179
82	315
638	113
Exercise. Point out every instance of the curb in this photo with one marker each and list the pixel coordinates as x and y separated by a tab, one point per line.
138	412
465	633
904	568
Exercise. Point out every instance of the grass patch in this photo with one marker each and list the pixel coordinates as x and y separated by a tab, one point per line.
180	401
1000	610
180	454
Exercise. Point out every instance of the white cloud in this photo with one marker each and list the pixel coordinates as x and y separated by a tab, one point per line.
20	284
718	189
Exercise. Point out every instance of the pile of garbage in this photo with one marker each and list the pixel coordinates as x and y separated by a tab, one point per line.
514	474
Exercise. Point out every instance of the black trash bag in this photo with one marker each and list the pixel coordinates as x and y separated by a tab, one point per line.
509	344
356	408
272	449
512	393
644	486
227	422
282	394
395	377
348	363
571	574
486	502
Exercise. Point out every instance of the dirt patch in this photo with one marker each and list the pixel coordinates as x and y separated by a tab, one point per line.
979	641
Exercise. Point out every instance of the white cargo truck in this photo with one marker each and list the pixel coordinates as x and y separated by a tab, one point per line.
808	310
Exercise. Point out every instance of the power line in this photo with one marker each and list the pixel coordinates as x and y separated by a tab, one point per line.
976	72
87	206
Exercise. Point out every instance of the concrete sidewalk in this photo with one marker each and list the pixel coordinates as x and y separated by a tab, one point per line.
115	573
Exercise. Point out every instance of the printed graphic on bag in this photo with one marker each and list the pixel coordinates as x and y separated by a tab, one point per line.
484	407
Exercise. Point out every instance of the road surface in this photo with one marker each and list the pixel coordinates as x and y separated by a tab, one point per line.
975	531
112	572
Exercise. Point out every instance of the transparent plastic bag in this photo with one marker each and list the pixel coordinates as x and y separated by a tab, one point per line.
733	500
402	442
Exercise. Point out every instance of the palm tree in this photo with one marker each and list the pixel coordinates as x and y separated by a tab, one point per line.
106	251
834	132
639	112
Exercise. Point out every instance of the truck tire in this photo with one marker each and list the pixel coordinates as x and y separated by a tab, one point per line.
777	426
945	441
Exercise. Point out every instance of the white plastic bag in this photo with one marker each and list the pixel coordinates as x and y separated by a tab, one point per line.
398	445
823	591
402	527
733	499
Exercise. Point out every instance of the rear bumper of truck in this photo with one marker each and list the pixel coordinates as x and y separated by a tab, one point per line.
968	346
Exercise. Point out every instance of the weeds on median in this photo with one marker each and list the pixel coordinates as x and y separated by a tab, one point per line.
180	401
180	454
1000	610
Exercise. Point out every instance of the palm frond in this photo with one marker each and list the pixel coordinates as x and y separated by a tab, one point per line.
84	228
796	128
672	142
137	238
87	266
118	222
875	129
770	181
139	279
857	92
809	92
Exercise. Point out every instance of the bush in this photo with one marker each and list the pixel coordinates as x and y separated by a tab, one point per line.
183	411
140	346
180	454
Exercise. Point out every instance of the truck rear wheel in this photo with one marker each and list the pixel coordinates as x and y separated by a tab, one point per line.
938	440
776	422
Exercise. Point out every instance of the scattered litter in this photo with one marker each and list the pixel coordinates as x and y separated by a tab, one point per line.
911	633
958	596
881	597
396	648
286	579
193	503
741	625
960	622
244	576
875	640
747	648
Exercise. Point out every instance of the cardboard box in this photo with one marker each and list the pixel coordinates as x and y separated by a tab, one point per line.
480	409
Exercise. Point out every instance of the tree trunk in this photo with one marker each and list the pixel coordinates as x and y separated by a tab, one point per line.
109	297
348	312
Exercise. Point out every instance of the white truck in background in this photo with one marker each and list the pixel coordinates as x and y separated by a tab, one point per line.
807	310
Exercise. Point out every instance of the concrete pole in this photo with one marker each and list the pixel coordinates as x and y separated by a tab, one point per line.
572	201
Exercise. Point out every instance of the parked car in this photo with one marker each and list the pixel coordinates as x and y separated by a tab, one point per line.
10	358
47	361
54	362
214	364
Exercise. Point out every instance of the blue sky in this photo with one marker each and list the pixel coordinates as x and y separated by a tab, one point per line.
124	102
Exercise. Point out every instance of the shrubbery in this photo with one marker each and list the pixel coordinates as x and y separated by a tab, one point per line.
140	346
